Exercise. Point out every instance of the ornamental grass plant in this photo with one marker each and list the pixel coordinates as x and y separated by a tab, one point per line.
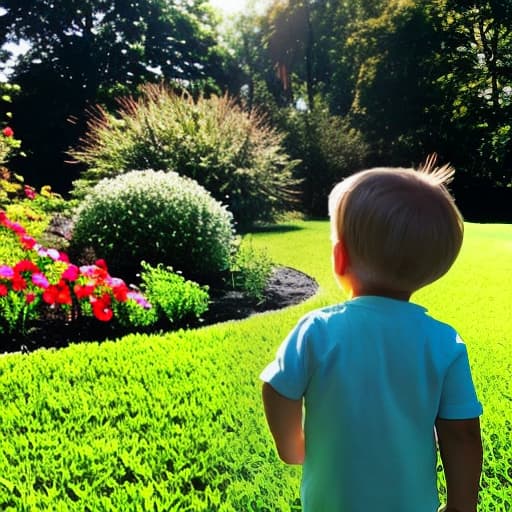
237	156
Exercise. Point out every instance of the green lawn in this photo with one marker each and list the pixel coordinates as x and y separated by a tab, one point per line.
174	422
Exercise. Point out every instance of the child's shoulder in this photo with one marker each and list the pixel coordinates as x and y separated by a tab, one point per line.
321	318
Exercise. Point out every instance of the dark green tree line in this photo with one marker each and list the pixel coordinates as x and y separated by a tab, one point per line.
85	51
413	76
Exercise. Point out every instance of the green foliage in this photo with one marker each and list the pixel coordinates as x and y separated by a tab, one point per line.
14	313
157	217
329	149
9	145
82	53
174	422
174	299
250	270
236	156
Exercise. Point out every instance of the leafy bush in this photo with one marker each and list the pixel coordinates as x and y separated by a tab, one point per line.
9	146
155	217
250	271
172	297
236	156
329	150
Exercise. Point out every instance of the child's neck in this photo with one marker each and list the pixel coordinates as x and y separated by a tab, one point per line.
378	291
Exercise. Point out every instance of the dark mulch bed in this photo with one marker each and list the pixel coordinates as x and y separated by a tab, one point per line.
285	288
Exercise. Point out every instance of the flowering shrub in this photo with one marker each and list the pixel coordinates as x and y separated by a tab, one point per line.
156	217
14	189
8	144
237	156
45	277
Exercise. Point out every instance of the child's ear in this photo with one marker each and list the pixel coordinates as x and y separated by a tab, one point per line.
340	258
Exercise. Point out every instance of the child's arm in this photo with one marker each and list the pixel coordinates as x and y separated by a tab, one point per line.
460	445
284	417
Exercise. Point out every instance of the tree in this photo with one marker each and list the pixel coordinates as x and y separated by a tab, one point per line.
396	98
478	60
82	51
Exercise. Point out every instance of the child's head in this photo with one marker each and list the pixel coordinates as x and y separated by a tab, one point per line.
399	227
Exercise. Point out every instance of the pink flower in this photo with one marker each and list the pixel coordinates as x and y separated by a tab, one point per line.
6	272
8	131
29	192
88	270
71	273
139	299
17	228
53	254
39	279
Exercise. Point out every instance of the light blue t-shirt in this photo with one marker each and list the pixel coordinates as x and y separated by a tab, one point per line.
375	373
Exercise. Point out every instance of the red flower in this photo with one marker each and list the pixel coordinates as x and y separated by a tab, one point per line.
30	297
83	291
101	308
57	294
8	131
119	288
3	290
102	264
25	266
120	293
50	294
18	283
27	242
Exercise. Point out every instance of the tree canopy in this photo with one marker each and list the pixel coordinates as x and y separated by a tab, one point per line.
401	78
85	51
414	76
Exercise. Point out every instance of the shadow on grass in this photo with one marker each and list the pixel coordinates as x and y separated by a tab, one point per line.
273	228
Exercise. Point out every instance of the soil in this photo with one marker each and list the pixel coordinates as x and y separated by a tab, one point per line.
286	287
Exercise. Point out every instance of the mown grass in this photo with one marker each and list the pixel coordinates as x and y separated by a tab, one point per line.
173	422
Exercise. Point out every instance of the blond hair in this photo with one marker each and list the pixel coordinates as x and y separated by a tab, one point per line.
400	227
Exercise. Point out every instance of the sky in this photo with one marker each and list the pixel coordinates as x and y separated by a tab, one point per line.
236	6
229	6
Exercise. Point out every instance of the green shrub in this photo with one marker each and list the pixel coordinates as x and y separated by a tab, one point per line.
236	156
250	270
329	150
173	298
156	217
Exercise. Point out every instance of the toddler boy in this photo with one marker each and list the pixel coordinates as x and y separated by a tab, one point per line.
357	388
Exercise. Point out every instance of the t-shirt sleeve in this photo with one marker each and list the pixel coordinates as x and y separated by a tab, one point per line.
458	398
288	373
